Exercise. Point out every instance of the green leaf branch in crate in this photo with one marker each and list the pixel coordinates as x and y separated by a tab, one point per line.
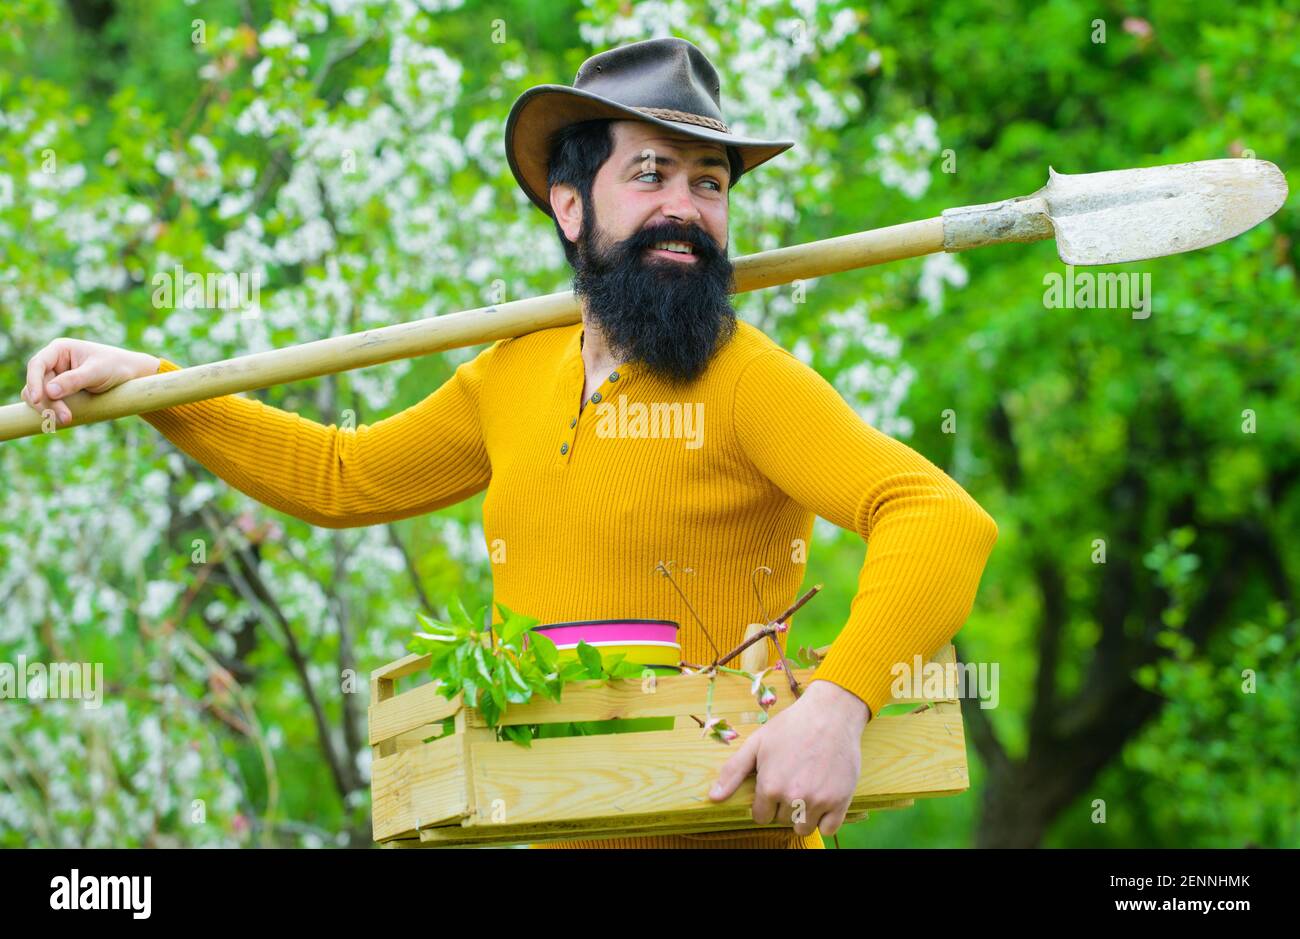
495	668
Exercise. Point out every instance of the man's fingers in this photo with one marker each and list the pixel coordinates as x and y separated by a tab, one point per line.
765	808
735	769
74	379
36	369
41	367
27	396
62	413
830	822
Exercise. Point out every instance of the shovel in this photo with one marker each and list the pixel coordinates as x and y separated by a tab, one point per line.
1096	218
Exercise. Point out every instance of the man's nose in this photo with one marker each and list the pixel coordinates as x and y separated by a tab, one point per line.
679	205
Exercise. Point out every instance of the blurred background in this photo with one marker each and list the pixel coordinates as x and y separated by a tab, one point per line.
1144	472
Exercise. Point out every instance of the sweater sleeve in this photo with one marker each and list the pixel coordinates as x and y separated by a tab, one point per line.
927	539
426	457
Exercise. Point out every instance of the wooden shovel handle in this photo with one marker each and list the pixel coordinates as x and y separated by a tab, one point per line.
455	330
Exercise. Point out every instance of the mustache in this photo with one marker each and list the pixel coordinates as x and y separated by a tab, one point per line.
702	244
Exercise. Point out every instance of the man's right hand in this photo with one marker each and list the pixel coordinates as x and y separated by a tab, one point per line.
68	365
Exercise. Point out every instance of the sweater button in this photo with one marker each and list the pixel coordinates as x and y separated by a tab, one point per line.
572	422
564	448
596	397
613	376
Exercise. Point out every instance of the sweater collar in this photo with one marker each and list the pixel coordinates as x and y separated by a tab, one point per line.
573	355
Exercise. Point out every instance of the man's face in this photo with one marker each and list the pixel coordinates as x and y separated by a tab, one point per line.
668	310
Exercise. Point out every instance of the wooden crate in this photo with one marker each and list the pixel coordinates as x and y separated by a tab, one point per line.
469	789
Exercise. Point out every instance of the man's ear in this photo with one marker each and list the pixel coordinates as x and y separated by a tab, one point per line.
566	204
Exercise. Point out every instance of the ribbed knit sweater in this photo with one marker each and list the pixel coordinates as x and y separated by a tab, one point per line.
715	478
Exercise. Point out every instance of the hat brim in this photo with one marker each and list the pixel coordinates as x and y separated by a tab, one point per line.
542	110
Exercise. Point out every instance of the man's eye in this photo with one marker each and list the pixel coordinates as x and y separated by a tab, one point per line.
717	185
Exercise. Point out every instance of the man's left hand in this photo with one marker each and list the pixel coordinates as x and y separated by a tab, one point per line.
808	758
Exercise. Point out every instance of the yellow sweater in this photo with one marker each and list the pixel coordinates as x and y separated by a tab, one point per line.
718	477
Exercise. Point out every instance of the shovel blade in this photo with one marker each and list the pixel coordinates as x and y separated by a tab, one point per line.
1132	215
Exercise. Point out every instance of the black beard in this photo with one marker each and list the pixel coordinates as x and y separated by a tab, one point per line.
669	315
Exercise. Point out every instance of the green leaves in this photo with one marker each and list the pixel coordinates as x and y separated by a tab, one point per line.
627	670
495	666
590	657
520	734
515	626
438	639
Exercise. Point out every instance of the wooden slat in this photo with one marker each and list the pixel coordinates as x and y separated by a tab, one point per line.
755	658
456	836
673	695
408	710
605	777
417	737
452	836
593	701
469	737
407	665
381	689
947	655
624	698
420	787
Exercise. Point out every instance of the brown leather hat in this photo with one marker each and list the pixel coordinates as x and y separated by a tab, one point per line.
668	82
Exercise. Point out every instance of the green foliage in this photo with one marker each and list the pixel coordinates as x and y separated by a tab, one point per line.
495	666
351	153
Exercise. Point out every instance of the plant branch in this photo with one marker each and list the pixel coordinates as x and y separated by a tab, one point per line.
243	573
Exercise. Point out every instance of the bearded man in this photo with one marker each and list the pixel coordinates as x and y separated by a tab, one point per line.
634	164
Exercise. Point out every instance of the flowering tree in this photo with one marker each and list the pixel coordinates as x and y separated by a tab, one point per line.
346	156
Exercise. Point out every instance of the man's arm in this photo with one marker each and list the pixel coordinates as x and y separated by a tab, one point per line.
927	539
424	458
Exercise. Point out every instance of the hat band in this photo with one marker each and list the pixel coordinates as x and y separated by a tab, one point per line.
668	114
